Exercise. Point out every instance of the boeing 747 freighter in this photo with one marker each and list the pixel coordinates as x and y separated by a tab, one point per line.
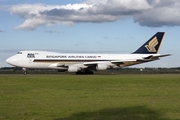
87	63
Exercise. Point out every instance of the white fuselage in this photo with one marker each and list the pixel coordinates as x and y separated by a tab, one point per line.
87	63
53	60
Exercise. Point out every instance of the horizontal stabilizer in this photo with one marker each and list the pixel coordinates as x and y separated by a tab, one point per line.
151	57
159	56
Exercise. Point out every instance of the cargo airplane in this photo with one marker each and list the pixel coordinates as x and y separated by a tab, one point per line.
87	63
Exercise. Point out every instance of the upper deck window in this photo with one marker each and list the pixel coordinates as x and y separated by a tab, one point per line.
19	53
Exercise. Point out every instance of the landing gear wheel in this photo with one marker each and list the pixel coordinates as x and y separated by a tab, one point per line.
79	73
24	71
84	73
90	73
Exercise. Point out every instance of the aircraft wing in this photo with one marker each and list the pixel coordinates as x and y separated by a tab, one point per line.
58	65
110	63
124	62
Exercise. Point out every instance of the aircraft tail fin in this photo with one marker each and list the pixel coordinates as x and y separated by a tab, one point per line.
152	45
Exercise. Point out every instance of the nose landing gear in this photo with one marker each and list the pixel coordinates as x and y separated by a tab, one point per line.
24	71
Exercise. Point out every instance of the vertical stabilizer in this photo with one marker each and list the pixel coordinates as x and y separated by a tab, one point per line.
152	45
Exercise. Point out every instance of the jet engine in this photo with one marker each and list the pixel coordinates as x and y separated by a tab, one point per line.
73	69
101	67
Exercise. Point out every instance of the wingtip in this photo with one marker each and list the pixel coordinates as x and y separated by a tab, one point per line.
170	54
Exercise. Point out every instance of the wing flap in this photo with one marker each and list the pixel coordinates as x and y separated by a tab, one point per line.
120	62
57	65
92	63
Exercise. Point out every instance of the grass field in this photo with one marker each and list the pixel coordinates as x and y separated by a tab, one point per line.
96	97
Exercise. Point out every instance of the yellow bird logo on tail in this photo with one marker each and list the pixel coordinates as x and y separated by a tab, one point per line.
152	45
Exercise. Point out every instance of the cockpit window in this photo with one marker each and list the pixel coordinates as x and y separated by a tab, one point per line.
19	53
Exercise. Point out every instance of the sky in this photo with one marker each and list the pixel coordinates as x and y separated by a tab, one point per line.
89	26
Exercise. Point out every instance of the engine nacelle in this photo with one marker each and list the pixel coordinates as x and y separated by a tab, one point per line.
101	67
73	69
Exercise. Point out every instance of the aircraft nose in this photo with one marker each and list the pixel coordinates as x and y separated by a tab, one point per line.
8	60
12	60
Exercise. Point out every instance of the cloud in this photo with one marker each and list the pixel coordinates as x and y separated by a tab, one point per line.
52	31
152	13
92	2
76	45
31	24
105	37
164	13
4	7
3	30
131	37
